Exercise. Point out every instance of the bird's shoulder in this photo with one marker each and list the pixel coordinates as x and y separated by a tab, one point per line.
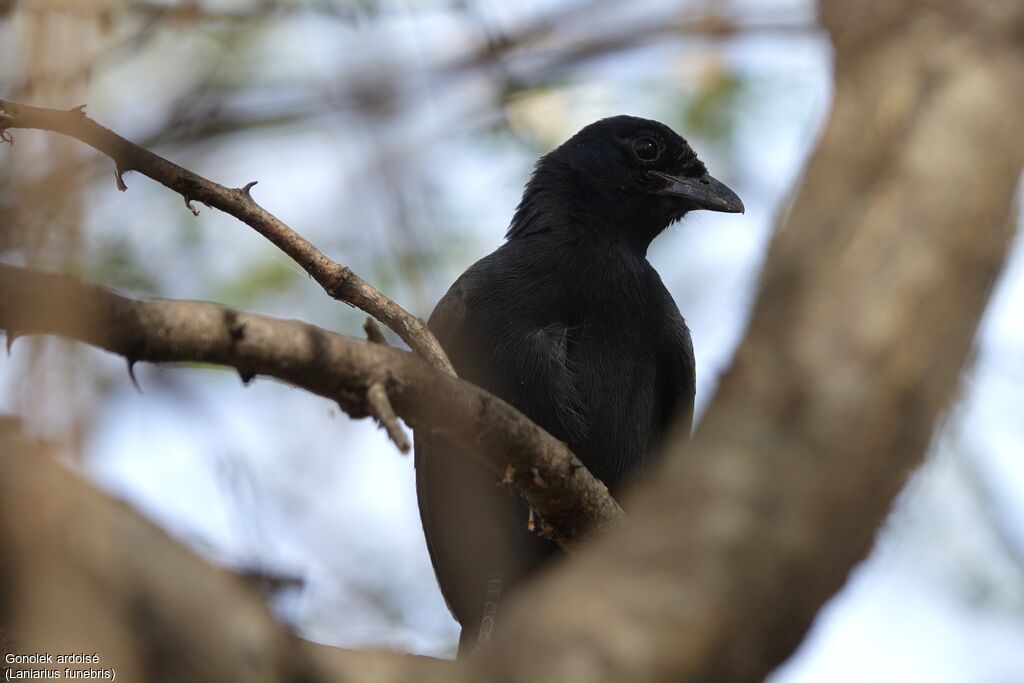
510	285
539	284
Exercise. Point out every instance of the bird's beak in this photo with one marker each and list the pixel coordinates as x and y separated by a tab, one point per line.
704	192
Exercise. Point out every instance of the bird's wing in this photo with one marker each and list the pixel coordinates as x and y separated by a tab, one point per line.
434	461
679	385
540	377
476	531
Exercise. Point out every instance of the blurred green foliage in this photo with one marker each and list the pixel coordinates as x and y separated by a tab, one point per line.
712	111
116	264
258	280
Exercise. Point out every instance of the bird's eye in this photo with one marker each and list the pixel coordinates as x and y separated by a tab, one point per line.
646	149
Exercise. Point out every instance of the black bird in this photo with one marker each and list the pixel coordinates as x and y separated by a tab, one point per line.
568	322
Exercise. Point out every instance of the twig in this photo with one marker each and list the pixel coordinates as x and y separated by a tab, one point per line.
337	280
380	408
374	333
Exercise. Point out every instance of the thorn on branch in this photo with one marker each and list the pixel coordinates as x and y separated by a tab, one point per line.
131	373
80	110
119	177
189	206
245	376
373	332
380	408
11	336
248	186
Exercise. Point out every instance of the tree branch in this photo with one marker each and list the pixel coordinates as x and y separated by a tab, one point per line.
338	281
374	333
83	573
380	408
554	40
363	377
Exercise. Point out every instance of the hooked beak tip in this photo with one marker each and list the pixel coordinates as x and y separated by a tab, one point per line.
706	192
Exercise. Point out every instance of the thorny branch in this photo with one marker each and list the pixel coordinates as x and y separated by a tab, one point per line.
337	280
364	378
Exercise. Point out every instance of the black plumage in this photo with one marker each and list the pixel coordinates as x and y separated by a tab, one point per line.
568	322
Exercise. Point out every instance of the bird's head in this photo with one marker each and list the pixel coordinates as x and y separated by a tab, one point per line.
623	176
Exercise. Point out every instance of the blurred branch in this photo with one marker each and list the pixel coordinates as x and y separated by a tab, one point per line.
121	587
985	496
545	45
337	280
551	41
363	377
187	11
179	11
